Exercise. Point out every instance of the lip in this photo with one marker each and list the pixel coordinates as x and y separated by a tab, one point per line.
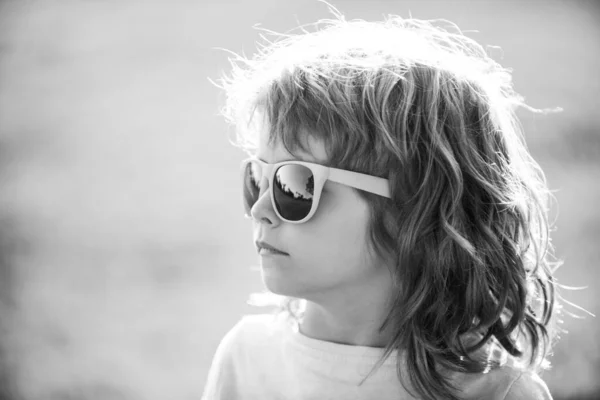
264	245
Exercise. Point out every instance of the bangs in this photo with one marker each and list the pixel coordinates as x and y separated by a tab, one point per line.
329	104
292	114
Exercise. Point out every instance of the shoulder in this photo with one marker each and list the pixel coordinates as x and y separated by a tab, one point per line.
257	330
244	349
254	326
528	385
505	383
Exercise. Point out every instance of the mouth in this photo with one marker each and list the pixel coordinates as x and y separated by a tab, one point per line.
265	248
268	252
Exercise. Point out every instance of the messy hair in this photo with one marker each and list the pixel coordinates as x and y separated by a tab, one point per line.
466	231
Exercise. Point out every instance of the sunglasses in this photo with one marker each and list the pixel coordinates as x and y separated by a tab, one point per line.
295	186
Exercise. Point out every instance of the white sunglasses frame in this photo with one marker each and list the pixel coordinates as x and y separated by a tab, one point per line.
321	173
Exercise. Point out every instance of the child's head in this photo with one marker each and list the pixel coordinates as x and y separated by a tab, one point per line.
461	246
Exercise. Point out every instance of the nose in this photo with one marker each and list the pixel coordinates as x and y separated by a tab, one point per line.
262	211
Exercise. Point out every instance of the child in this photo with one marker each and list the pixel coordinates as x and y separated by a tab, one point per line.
396	212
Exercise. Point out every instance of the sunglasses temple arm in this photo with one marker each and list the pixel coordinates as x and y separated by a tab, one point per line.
368	183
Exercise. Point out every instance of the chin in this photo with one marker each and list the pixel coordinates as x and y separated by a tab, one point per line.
282	285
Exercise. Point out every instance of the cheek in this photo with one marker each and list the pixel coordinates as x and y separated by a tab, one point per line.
338	233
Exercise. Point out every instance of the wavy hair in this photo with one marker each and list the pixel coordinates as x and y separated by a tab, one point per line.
466	230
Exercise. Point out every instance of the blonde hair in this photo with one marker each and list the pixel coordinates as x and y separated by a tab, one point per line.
466	230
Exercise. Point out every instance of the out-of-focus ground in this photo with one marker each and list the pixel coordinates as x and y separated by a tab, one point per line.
124	255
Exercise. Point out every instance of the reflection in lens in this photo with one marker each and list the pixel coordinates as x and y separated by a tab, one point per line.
293	191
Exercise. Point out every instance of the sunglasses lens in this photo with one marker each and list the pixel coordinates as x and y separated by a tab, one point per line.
293	190
252	178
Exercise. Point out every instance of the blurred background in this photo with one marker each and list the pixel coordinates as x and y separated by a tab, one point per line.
124	254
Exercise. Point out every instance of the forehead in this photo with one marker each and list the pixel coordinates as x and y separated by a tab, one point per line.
274	151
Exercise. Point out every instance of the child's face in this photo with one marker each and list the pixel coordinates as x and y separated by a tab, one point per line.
326	255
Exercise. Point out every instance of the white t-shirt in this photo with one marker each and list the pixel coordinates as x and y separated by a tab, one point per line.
266	357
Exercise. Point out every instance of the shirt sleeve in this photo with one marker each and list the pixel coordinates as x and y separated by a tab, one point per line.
528	386
221	383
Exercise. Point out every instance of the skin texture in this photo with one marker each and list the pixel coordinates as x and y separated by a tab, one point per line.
328	264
